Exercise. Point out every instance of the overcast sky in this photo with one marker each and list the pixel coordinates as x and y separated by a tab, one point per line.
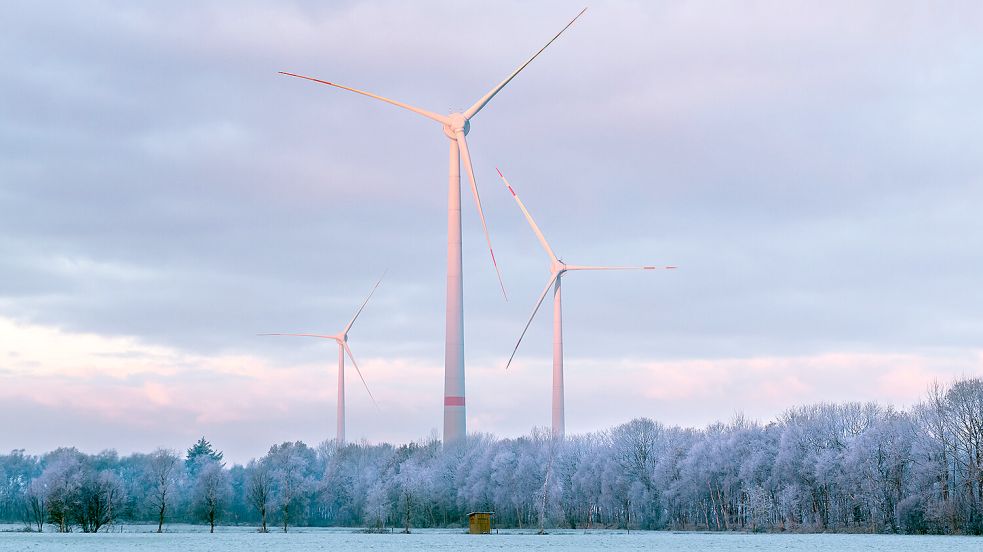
814	171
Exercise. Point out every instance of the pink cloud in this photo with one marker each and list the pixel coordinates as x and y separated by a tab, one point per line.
160	396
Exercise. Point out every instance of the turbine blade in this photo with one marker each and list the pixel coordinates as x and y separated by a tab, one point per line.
474	109
428	114
355	364
349	326
302	335
576	267
532	223
531	316
466	155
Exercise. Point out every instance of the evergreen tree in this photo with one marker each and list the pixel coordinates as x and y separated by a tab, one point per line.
202	450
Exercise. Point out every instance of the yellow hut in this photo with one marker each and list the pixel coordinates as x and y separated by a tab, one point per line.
479	523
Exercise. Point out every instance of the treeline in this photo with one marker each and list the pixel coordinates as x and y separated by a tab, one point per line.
824	467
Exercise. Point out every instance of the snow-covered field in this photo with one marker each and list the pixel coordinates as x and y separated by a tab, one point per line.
230	539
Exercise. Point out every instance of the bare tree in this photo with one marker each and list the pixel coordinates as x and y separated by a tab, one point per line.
259	488
59	486
291	467
933	418
37	501
548	445
965	414
98	500
212	490
162	474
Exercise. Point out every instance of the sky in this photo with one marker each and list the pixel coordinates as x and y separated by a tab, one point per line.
814	170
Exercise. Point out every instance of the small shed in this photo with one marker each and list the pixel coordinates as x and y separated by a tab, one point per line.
479	523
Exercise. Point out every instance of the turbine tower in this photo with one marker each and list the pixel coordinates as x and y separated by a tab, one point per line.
341	338
456	126
557	269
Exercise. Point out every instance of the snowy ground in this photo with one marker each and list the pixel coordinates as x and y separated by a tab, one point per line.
191	539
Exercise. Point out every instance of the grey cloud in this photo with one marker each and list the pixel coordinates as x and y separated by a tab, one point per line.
812	170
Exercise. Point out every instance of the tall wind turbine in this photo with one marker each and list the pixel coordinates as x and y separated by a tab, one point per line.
341	338
557	269
456	126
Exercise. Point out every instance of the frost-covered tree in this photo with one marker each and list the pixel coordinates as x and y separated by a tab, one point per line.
259	488
636	447
37	503
292	473
17	471
212	490
238	510
197	453
78	490
822	467
162	473
98	500
61	482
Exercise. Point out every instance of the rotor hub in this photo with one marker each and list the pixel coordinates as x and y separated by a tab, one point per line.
458	123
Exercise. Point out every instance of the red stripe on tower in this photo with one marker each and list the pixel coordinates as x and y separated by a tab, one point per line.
453	401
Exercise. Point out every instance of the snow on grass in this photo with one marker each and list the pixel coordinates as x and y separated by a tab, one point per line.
196	539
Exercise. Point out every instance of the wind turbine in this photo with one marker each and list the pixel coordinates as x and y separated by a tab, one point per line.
557	269
341	338
456	126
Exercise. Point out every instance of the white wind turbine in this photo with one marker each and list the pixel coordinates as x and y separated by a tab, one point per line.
557	269
456	126
341	338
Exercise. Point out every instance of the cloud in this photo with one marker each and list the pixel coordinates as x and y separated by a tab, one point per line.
147	396
165	195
